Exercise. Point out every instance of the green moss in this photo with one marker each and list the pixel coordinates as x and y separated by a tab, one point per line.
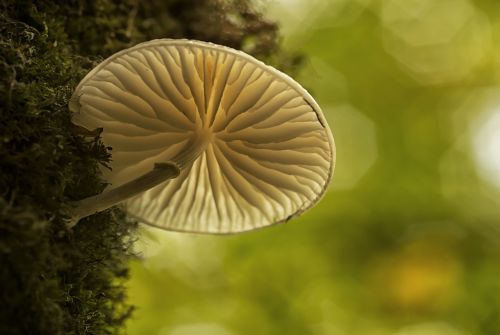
55	280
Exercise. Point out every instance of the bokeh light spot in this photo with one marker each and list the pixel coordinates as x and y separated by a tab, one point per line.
356	143
435	42
197	329
430	328
486	144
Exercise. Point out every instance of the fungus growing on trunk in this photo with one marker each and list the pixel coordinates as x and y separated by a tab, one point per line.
205	138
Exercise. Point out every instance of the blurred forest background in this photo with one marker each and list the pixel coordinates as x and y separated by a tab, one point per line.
407	240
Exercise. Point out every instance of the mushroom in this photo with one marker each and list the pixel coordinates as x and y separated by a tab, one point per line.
205	138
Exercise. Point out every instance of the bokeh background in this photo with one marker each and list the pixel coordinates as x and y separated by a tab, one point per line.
407	239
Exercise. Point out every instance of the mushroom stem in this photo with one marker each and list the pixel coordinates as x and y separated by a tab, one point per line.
160	173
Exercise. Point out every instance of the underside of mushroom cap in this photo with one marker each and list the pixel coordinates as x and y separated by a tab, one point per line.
268	153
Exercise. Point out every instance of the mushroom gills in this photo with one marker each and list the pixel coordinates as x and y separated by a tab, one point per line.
205	138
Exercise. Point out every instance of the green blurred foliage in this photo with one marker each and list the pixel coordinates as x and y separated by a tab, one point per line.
406	241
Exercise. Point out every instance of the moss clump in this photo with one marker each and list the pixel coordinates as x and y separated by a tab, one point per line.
55	280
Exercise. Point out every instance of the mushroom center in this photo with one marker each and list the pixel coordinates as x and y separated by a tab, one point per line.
204	133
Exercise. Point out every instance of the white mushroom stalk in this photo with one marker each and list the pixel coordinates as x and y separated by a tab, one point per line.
161	172
205	138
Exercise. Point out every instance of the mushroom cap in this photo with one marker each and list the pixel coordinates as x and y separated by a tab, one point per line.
270	154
